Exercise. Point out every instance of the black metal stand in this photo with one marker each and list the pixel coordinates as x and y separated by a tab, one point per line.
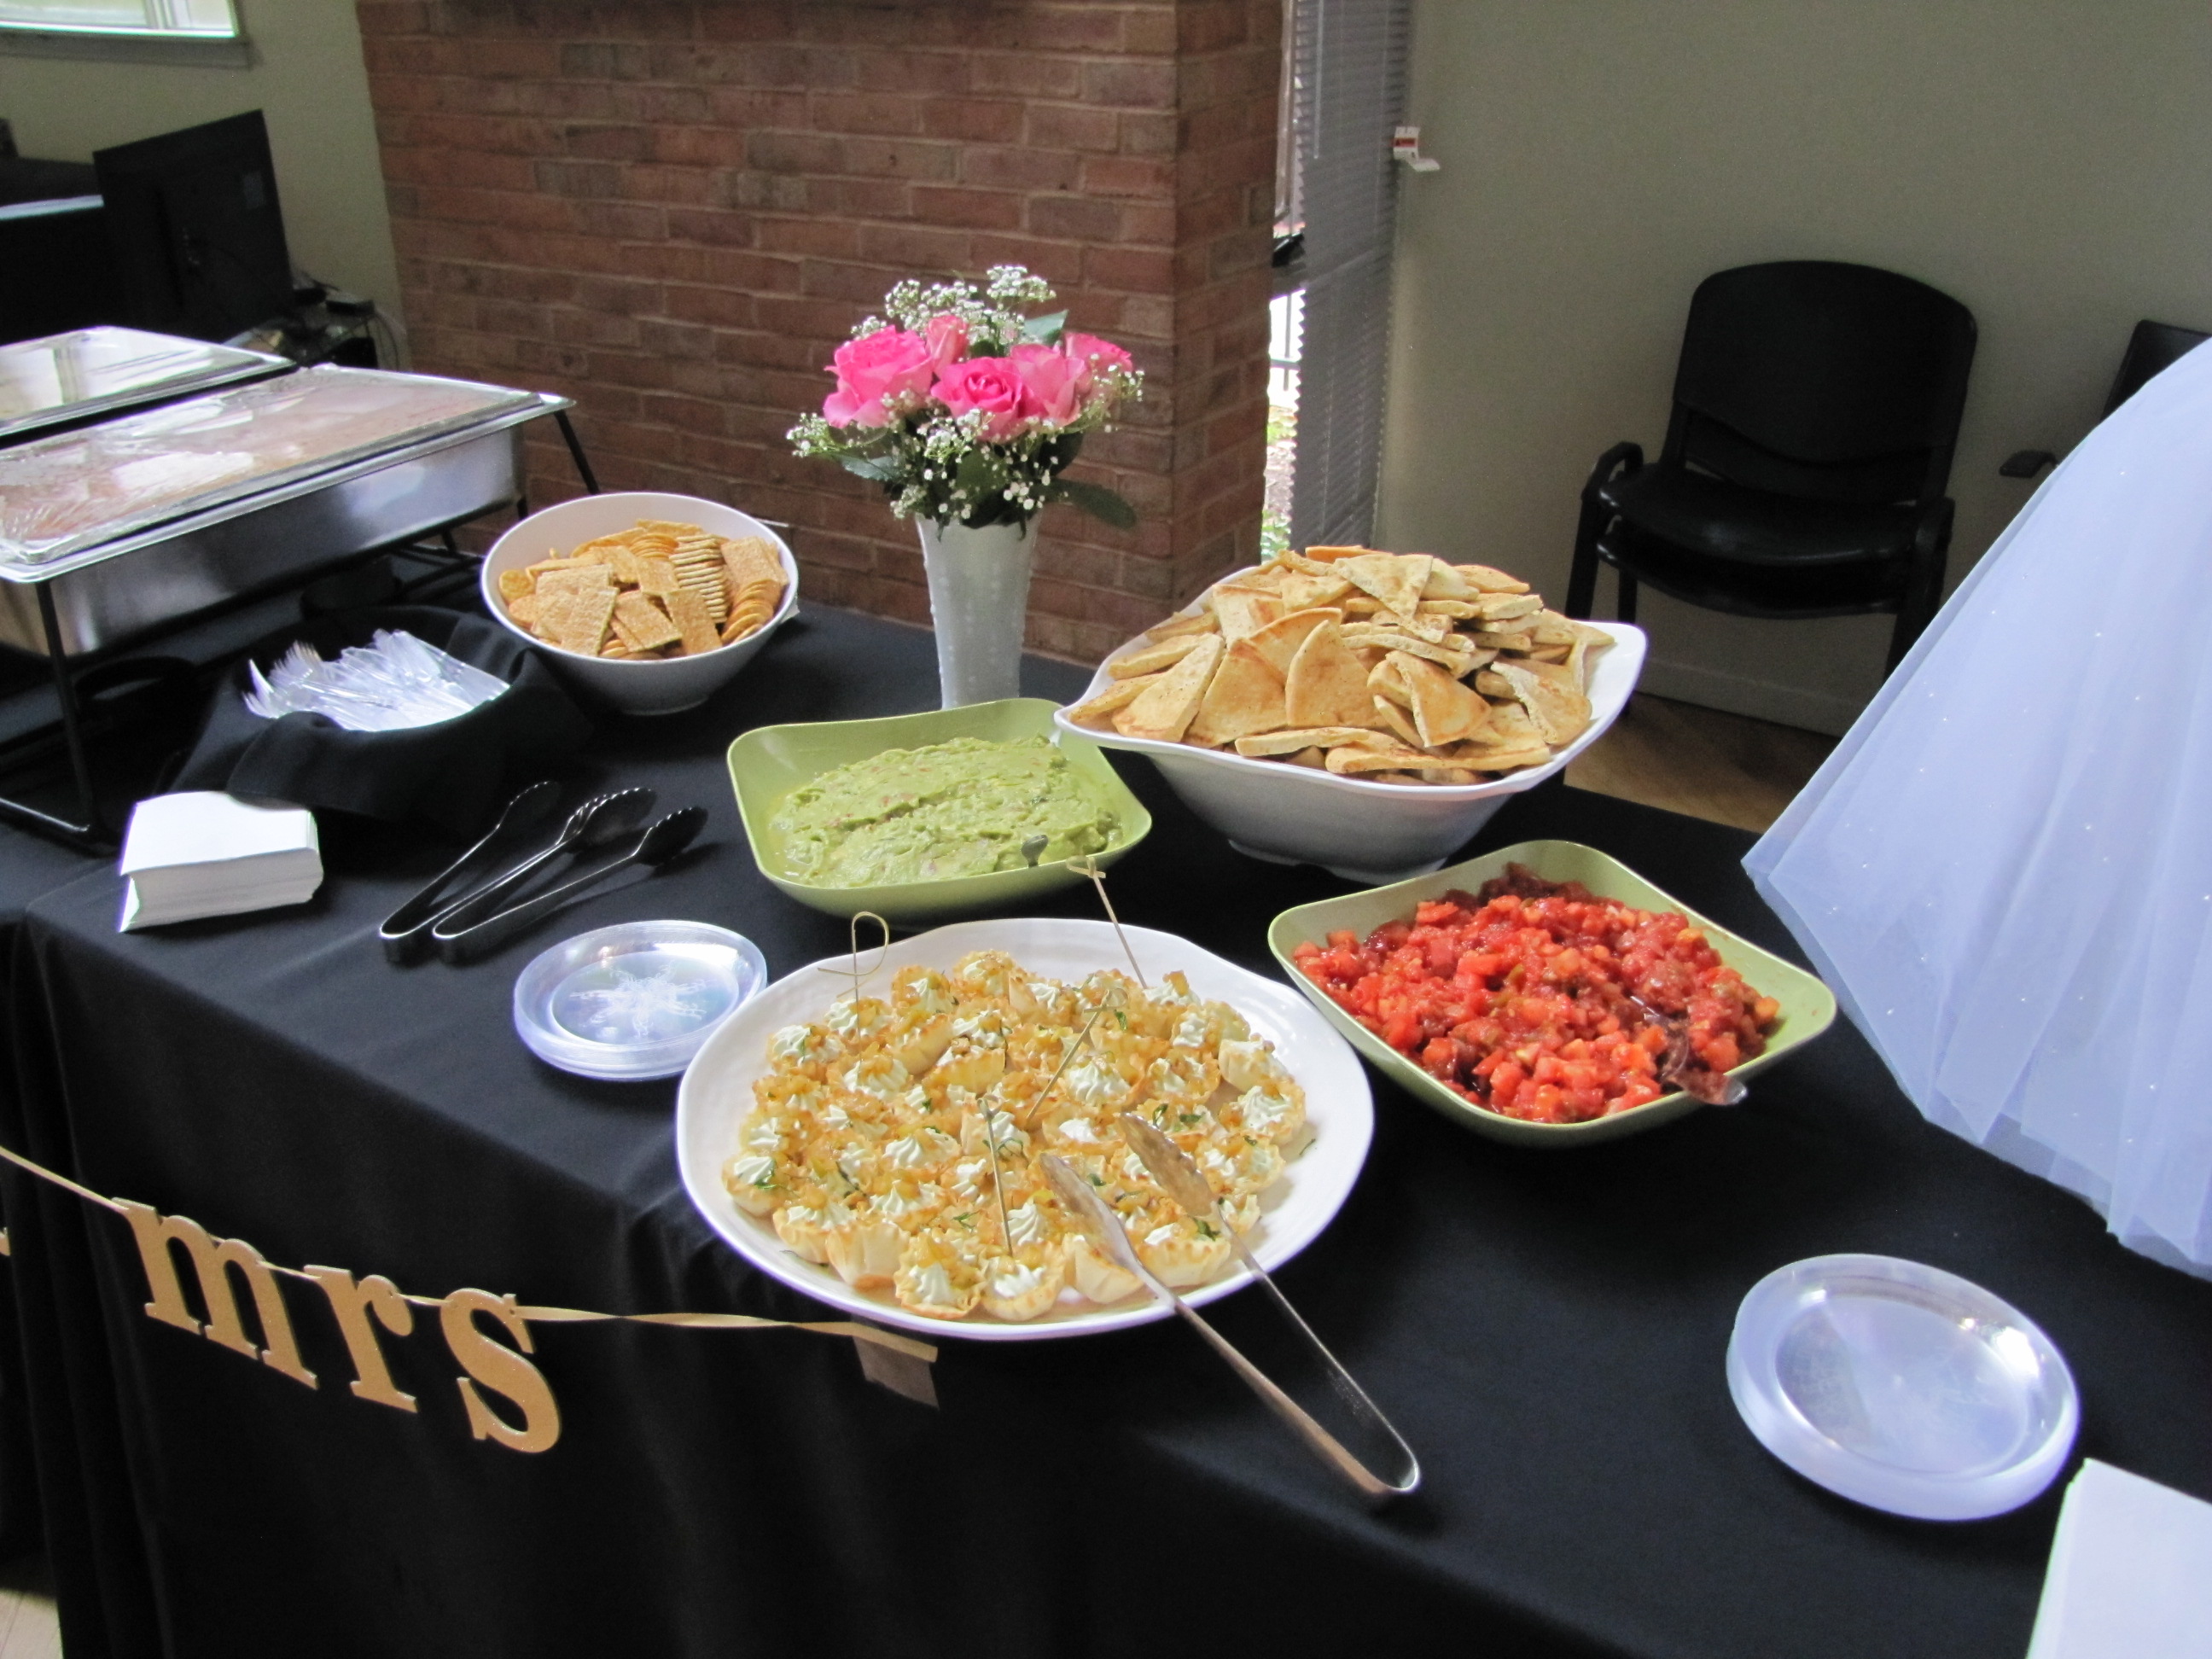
87	830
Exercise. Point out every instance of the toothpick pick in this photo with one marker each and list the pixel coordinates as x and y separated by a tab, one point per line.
998	1179
861	977
1088	866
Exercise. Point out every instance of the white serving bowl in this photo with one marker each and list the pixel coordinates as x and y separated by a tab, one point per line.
1371	833
634	687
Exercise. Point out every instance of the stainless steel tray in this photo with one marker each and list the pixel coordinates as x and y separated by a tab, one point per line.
64	379
142	581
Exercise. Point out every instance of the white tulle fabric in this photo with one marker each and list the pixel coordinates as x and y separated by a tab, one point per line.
2004	871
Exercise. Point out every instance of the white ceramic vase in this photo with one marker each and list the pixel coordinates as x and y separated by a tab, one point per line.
979	602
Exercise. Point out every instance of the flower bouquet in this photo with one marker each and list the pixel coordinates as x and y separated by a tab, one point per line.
967	410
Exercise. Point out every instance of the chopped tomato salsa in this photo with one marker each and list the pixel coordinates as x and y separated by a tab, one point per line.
1524	1000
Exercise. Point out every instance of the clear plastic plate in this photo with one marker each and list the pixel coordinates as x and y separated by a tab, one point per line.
635	1000
1901	1387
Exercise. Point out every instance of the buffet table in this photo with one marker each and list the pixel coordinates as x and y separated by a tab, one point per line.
1546	1329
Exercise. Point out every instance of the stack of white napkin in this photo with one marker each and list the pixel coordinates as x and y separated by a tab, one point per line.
206	854
2131	1572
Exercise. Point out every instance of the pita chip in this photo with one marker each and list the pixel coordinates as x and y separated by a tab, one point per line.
1511	724
1097	713
1384	681
1484	579
1444	710
1278	642
1153	658
1302	591
1588	642
1352	759
1496	608
1558	706
1307	737
1394	719
1244	696
1164	710
1245	610
1176	627
1327	684
1395	578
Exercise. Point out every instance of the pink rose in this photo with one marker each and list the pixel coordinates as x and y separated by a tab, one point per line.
875	373
1048	385
1089	354
948	340
992	384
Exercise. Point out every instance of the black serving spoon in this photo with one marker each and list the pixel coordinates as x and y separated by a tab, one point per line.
654	846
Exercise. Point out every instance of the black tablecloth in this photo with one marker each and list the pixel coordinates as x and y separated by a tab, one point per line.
1547	1328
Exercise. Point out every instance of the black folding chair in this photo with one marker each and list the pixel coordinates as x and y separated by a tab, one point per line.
1816	406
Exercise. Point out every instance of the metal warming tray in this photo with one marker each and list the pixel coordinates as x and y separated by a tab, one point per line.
66	379
155	516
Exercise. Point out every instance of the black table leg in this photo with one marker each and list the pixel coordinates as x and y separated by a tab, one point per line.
89	834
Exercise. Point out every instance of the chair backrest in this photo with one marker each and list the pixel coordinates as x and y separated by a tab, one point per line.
2153	349
1811	378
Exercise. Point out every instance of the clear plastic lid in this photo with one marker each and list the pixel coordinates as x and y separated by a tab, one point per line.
1901	1387
65	377
62	495
635	1000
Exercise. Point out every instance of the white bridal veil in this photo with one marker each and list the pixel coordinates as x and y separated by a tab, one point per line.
2004	871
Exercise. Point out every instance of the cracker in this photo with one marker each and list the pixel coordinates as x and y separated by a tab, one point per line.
643	625
689	612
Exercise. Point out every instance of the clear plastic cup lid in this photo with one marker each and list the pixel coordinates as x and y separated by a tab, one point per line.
635	1000
1901	1387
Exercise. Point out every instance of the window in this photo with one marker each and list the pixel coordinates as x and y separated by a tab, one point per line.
213	18
197	32
1345	79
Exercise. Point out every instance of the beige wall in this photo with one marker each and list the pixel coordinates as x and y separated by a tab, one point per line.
307	79
2045	162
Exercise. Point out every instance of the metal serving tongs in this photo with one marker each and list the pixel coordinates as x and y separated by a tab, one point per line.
1099	1225
464	936
599	822
406	931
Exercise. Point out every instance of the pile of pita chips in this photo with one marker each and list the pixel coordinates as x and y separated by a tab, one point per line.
1397	667
657	590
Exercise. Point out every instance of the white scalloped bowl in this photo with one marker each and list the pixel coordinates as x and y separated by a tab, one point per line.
634	687
1371	833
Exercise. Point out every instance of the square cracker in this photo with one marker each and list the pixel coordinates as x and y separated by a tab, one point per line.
576	621
644	625
689	614
751	559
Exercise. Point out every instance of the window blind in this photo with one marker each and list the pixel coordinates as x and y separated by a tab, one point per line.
1347	93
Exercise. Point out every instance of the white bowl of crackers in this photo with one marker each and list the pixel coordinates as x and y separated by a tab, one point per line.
1360	710
651	601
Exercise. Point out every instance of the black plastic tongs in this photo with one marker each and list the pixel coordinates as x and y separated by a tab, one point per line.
406	931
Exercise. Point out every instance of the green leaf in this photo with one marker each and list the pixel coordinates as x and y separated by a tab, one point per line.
1097	500
1045	330
876	468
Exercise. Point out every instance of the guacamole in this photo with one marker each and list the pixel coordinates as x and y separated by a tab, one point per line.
962	808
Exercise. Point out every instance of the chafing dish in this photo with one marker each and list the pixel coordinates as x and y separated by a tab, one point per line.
149	517
66	379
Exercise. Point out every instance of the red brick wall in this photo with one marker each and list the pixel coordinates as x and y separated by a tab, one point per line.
672	211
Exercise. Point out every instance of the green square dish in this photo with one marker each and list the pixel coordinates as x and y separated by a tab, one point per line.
768	762
1808	1005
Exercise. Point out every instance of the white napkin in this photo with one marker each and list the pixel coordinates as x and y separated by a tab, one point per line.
205	853
2131	1572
